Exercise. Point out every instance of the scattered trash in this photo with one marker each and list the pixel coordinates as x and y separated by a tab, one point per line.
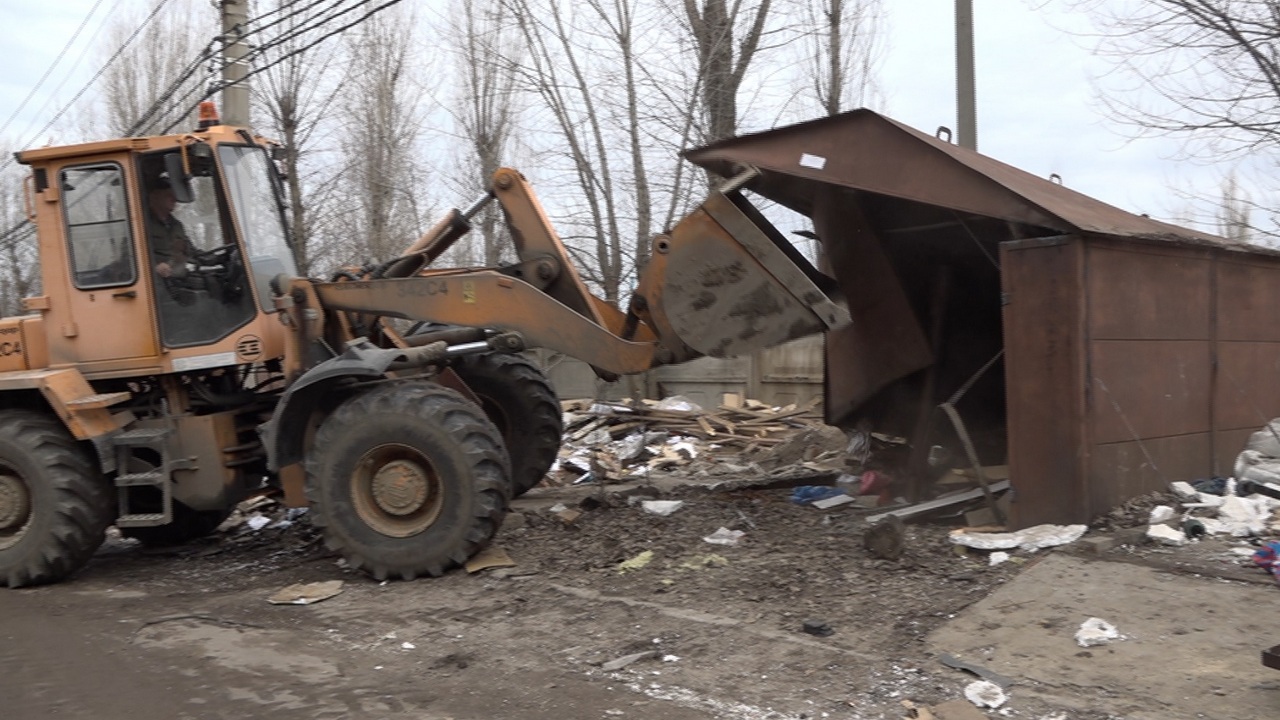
1165	535
1212	486
917	712
1271	657
945	501
257	522
1184	490
1245	516
408	646
1268	558
886	538
661	507
620	663
490	557
724	536
1160	514
306	593
1194	529
958	710
1030	539
806	494
637	562
997	557
985	694
953	662
670	658
699	562
817	628
568	515
1096	631
679	403
833	501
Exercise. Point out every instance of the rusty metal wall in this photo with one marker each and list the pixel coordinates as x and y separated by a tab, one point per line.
1130	366
1044	370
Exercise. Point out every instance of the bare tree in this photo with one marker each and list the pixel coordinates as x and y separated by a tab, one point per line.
19	260
556	71
1235	213
724	55
380	130
843	43
154	83
293	95
485	39
1203	69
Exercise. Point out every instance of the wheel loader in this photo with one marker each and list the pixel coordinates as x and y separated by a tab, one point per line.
153	388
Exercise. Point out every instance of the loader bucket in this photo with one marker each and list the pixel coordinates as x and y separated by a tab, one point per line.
725	282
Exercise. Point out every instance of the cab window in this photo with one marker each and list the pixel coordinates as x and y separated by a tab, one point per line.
97	221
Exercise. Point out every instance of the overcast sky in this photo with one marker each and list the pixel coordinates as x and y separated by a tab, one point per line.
1035	108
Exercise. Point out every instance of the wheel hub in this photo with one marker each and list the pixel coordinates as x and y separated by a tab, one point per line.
396	490
400	487
15	503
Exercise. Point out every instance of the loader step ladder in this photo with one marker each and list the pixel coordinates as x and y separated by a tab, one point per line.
157	440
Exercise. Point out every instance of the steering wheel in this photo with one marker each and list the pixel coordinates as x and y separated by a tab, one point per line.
221	256
222	271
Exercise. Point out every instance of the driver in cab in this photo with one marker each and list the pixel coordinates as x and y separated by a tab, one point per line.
171	249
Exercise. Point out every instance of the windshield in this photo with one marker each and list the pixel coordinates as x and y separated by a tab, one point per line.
257	208
198	277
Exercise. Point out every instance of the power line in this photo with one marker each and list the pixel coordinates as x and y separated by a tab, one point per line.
297	51
166	102
80	93
62	53
8	237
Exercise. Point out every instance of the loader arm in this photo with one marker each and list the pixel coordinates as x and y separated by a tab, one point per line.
723	282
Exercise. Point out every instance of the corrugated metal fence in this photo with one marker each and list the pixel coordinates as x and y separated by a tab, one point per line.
789	373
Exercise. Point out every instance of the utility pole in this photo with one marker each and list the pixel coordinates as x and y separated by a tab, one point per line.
235	89
966	90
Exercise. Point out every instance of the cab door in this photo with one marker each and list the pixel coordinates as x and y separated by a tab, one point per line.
109	304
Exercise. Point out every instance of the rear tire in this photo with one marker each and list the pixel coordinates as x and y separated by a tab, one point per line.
54	505
407	479
520	401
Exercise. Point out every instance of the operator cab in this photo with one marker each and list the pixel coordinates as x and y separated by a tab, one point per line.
170	247
196	198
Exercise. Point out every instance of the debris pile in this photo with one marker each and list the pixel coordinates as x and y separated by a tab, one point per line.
1213	507
615	442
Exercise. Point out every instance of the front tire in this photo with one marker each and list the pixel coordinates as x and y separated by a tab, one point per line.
54	505
520	401
407	479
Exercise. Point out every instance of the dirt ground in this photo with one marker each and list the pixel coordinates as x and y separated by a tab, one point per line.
188	633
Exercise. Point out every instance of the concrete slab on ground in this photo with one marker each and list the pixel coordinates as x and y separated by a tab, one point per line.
1192	644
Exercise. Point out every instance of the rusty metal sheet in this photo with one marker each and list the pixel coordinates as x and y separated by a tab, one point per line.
1148	388
867	151
1120	471
885	340
1136	294
1248	385
1044	372
1248	299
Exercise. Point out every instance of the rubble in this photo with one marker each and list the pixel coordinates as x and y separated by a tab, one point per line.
616	442
1165	535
